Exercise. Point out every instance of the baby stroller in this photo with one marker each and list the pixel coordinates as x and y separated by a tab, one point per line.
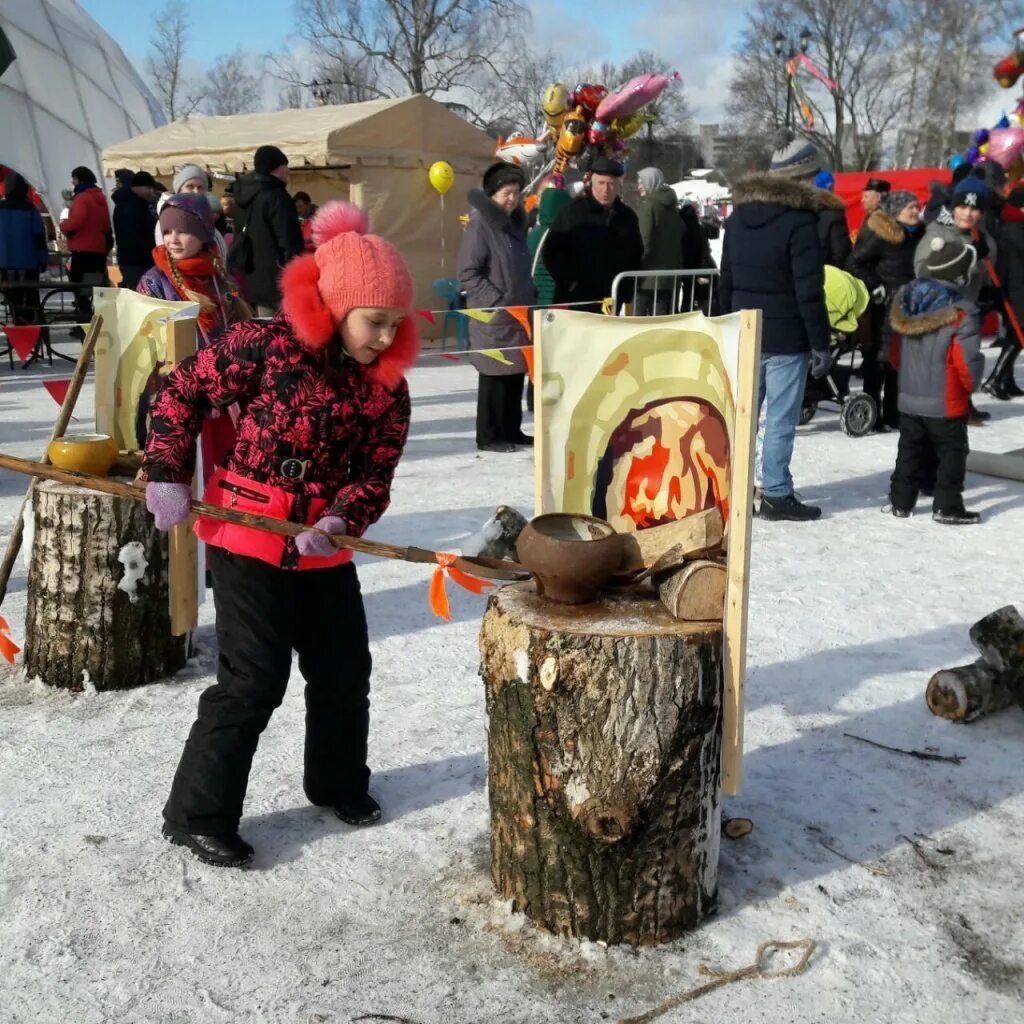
846	299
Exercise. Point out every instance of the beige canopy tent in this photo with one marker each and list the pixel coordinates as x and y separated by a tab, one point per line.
375	154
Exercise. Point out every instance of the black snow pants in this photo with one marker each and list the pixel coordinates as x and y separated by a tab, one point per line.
263	614
932	453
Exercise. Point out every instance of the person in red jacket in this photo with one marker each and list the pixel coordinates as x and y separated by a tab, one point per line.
936	348
324	422
90	238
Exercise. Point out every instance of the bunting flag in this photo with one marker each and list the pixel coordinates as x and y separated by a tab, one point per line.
439	595
606	306
8	648
521	313
496	354
485	316
451	357
528	357
58	389
23	339
427	315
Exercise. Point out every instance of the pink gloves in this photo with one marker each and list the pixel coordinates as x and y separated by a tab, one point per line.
309	542
169	503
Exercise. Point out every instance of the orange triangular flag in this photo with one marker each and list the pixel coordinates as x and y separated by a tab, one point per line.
8	648
522	314
23	339
58	389
528	357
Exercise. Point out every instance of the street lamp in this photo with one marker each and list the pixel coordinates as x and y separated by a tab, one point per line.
786	51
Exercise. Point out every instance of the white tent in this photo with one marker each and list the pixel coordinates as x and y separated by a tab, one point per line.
69	92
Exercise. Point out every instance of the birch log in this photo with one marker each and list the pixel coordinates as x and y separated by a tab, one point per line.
604	742
966	692
97	592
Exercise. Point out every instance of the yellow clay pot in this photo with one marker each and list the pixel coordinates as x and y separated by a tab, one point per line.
87	453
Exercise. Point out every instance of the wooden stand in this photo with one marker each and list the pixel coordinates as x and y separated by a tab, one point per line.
84	616
604	742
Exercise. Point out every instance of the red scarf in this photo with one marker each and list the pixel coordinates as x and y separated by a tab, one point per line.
196	275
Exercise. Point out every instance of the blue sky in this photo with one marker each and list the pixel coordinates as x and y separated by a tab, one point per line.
685	32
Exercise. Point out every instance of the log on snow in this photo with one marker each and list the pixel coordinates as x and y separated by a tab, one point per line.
696	592
97	592
967	692
999	639
604	766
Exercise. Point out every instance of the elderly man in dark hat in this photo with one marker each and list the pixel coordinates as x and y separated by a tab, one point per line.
874	192
594	238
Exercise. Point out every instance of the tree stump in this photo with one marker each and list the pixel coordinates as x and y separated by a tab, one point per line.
966	692
97	592
604	751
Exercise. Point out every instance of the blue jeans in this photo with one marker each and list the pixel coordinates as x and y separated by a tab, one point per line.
782	383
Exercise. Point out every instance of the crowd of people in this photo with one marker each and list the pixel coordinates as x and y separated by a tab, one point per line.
932	271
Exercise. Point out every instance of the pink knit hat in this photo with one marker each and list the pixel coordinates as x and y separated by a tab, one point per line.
349	269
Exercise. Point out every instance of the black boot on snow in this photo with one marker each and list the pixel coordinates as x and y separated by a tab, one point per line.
230	851
358	810
788	509
957	517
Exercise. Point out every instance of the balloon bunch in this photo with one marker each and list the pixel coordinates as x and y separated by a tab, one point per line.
584	123
1003	143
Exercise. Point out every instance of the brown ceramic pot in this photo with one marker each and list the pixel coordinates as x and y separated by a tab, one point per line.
572	556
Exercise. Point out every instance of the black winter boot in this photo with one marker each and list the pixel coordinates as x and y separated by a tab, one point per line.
996	383
222	851
358	810
1009	383
788	509
957	517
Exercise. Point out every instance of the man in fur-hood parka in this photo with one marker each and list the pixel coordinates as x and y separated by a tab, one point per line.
772	261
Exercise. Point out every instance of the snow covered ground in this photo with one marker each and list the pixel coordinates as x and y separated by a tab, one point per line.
101	920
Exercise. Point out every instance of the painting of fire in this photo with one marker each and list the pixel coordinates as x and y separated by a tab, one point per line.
636	416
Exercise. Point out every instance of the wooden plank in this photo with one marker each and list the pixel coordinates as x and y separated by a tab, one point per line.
59	428
182	543
540	449
741	492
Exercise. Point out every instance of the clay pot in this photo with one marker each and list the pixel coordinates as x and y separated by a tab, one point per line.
87	453
572	556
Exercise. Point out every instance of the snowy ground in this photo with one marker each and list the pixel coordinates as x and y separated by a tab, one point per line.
103	921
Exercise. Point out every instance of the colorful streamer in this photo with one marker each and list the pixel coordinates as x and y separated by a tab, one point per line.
438	595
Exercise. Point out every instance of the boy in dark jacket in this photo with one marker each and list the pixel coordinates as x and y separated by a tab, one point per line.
771	260
22	248
937	350
267	229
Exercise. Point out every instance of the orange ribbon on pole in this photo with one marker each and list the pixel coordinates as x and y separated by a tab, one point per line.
438	594
528	358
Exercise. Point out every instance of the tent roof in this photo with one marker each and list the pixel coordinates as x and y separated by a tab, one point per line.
412	129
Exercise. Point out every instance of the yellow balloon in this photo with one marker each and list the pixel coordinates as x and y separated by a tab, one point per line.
629	125
442	176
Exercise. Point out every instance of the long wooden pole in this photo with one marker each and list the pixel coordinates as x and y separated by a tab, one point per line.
59	427
491	568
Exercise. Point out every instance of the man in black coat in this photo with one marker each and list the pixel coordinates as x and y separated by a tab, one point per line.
134	225
1010	268
267	229
772	261
593	239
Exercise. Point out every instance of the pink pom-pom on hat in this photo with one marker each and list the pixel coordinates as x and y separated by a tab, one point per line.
337	218
350	269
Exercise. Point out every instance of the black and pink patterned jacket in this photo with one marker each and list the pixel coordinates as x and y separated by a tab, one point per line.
306	448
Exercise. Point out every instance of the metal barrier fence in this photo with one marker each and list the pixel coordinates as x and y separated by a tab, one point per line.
676	296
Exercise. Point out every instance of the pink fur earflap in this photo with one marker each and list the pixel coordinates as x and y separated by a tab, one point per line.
391	366
302	303
335	218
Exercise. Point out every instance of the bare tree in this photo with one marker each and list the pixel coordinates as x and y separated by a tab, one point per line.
165	65
507	99
325	79
907	65
231	88
413	46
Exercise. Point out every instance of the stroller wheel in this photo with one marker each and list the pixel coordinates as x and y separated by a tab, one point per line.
807	412
858	415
